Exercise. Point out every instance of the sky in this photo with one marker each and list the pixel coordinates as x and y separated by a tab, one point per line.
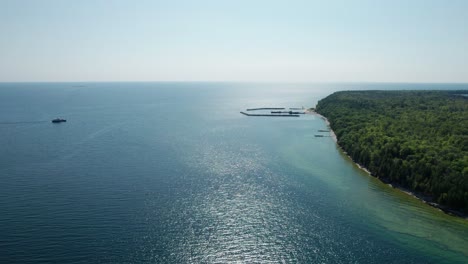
234	40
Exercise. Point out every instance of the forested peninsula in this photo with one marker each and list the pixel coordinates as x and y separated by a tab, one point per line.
416	140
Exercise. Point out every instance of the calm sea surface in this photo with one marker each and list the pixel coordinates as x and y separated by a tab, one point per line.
172	173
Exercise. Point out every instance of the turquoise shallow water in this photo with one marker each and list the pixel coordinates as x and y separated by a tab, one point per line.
172	173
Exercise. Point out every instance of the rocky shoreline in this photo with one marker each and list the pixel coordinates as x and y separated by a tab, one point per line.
423	198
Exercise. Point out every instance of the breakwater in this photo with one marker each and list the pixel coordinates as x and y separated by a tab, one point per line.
266	108
244	113
288	112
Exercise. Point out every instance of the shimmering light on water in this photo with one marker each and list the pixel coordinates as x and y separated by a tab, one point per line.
172	173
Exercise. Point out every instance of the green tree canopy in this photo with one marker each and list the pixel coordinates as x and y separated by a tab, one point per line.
417	139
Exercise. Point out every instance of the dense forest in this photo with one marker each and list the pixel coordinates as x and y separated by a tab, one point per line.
415	139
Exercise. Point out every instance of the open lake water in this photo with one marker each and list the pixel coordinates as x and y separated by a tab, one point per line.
173	173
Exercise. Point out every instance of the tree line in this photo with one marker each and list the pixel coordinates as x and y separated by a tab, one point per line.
416	139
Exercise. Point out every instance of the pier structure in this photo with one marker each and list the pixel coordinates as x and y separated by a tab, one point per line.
266	108
276	112
247	114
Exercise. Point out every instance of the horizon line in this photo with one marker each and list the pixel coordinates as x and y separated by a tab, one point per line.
237	81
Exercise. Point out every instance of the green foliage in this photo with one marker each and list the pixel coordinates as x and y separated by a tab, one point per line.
418	139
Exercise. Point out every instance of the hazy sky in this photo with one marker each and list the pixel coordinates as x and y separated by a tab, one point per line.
235	40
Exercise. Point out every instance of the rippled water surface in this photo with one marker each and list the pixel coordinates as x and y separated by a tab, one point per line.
172	173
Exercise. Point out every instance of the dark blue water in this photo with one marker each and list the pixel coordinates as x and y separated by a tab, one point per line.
172	173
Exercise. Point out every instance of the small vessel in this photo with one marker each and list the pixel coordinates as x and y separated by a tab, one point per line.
58	120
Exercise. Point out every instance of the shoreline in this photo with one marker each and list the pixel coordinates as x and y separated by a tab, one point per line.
425	199
332	133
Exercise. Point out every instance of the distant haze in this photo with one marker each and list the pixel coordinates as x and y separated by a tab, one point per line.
292	41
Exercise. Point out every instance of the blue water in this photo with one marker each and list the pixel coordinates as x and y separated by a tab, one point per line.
172	173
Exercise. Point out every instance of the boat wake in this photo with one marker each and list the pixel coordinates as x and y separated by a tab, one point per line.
22	122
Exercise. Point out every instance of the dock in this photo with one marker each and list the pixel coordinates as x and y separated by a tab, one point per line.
276	115
276	112
288	112
266	108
